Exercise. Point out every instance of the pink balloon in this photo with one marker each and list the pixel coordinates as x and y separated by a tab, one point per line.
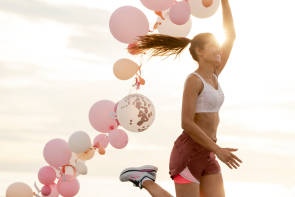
118	138
54	192
102	139
46	190
68	187
180	13
157	5
101	116
116	112
128	22
57	152
46	175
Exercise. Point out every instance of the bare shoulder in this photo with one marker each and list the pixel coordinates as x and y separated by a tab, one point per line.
193	84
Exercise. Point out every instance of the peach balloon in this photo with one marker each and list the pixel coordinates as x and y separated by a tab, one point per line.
19	189
101	151
86	155
125	68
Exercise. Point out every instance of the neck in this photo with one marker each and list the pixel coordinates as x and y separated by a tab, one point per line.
206	68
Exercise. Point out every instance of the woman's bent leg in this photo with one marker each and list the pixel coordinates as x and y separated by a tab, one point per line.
155	190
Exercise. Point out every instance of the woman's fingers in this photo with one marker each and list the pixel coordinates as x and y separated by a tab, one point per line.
235	163
232	149
234	156
228	164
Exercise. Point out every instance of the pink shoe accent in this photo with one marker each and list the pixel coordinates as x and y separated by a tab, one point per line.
133	177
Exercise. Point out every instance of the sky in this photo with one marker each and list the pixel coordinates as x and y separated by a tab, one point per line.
56	61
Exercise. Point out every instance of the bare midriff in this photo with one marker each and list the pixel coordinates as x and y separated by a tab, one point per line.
208	122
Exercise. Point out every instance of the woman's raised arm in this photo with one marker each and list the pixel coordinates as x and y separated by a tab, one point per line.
230	34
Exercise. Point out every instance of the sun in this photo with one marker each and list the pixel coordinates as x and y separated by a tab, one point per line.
220	37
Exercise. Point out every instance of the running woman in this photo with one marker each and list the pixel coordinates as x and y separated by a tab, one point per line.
193	166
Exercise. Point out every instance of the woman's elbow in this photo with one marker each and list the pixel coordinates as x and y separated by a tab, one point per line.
185	124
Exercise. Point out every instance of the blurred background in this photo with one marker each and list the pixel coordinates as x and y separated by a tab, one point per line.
56	61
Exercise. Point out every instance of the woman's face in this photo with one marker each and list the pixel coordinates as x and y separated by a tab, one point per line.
211	51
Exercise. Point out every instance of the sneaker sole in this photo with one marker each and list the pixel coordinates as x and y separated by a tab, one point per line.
145	168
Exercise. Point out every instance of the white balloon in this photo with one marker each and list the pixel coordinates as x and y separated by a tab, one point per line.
73	159
81	167
200	11
135	112
79	142
167	27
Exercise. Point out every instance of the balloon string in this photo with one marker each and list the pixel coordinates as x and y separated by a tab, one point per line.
36	187
138	76
113	115
57	169
160	14
63	171
34	194
38	190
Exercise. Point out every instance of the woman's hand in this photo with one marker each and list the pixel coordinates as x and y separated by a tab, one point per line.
225	155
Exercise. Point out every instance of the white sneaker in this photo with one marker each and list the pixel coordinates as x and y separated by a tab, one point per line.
137	175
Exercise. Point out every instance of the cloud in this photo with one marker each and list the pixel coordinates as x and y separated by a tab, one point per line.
97	42
91	33
17	69
68	14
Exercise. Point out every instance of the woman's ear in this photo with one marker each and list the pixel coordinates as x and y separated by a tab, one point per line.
199	51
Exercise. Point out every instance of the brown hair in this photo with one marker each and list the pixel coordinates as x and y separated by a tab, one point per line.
165	45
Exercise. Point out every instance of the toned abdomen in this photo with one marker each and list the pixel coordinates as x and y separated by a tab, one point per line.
208	121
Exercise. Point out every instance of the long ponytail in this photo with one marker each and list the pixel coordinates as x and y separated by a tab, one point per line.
165	45
160	44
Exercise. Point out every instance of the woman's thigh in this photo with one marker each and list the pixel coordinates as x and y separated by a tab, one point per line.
212	185
187	189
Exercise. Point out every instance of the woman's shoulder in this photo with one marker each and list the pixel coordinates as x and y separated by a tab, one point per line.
193	83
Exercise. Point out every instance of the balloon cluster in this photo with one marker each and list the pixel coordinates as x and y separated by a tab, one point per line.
134	112
174	18
66	159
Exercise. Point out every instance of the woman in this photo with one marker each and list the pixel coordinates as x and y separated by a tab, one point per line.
193	165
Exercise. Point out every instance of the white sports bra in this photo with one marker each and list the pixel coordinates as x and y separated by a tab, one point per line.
210	99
